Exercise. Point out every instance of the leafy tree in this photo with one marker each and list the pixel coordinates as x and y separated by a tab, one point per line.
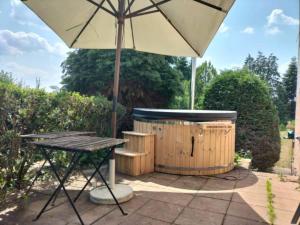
184	66
6	77
266	68
281	103
146	80
290	83
182	100
257	122
205	73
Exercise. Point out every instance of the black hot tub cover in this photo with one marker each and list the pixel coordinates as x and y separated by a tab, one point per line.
181	114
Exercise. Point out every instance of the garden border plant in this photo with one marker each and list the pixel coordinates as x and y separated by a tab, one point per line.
257	121
30	110
270	201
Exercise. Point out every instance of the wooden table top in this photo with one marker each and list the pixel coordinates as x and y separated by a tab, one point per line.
53	135
80	143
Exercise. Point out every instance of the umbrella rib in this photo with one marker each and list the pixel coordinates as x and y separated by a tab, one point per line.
144	13
102	7
129	6
86	24
112	7
132	34
169	21
210	5
154	5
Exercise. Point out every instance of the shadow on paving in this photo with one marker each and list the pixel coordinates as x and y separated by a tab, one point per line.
160	199
145	208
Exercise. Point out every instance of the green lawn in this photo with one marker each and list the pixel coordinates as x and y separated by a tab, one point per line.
286	151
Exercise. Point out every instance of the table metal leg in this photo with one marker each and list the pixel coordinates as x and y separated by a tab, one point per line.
38	173
74	161
296	216
109	189
93	174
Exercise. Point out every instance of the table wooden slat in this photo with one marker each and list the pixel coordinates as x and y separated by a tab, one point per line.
53	135
80	143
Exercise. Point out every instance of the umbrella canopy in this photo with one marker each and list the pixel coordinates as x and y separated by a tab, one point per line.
170	27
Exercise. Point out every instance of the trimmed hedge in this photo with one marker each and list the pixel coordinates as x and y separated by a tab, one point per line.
257	122
27	110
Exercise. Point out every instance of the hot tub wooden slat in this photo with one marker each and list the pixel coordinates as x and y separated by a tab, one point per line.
213	146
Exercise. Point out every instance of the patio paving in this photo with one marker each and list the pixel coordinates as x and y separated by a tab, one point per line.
235	198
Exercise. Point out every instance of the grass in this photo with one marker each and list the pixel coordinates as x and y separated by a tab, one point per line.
270	197
286	152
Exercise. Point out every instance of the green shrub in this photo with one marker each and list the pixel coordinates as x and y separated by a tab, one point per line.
257	122
27	110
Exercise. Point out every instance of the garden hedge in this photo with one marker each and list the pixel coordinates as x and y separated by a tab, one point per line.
257	122
27	110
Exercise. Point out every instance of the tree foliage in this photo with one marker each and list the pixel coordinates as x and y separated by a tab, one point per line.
266	68
26	110
146	80
290	85
257	122
205	73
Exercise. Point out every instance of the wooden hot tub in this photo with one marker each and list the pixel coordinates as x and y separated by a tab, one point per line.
189	142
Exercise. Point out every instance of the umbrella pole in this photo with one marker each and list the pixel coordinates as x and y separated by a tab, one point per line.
116	89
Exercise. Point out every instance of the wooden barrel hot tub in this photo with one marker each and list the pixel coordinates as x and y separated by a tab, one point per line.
189	142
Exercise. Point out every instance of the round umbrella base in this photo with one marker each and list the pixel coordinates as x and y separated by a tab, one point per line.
101	195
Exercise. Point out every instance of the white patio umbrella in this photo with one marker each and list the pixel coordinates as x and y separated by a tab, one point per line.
169	27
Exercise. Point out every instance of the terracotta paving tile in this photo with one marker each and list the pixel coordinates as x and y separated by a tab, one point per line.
285	204
135	203
154	181
115	217
92	214
215	194
209	204
283	217
189	183
231	220
250	198
219	184
136	219
256	213
165	176
160	211
198	217
163	195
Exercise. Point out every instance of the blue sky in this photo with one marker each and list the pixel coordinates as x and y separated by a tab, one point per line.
28	49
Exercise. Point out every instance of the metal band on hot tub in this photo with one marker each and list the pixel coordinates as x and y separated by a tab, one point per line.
230	165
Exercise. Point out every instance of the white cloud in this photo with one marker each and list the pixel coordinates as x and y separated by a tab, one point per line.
282	68
277	16
223	28
27	75
25	17
19	42
15	2
248	30
273	30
